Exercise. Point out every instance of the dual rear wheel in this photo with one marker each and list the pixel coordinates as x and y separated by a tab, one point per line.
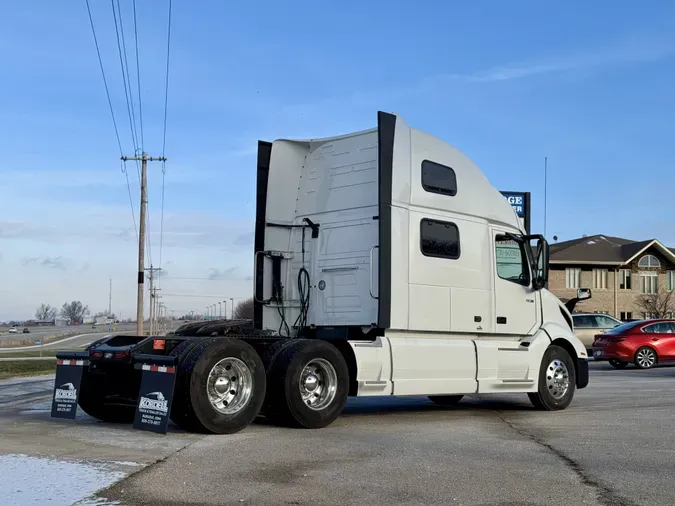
223	385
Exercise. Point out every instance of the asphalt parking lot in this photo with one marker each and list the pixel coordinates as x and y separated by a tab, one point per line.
612	446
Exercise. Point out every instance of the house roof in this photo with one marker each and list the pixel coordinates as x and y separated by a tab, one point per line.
602	249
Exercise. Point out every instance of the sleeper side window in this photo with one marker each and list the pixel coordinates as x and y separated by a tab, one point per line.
437	178
512	262
439	239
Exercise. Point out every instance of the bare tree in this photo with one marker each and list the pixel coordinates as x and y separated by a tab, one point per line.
244	310
658	305
45	312
105	314
74	311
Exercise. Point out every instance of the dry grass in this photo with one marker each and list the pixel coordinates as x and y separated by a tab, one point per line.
19	368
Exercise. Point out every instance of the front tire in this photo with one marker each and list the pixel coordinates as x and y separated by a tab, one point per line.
557	380
617	364
308	385
645	358
445	400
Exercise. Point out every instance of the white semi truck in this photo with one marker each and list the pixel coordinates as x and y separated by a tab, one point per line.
385	264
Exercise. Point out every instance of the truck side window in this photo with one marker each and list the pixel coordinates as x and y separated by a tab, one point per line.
439	239
437	178
512	264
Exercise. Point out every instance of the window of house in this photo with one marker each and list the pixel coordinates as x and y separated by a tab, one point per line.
439	239
626	315
649	282
512	264
649	316
649	261
624	279
437	178
670	280
600	279
572	277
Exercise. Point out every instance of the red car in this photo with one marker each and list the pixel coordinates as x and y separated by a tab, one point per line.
645	343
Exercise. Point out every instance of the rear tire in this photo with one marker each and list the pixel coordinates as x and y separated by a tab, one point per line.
557	380
92	400
445	400
308	384
617	364
645	358
220	387
178	406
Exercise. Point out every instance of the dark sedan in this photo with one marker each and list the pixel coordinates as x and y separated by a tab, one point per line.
645	343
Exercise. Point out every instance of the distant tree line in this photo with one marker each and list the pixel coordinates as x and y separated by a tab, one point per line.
72	312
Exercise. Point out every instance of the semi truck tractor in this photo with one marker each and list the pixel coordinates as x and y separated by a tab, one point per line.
384	263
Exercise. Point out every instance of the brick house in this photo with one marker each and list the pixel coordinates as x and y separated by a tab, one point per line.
617	270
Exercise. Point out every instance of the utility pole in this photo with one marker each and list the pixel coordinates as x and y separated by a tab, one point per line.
110	299
144	158
153	295
232	305
225	306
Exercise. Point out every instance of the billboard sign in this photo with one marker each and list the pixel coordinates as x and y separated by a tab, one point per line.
520	202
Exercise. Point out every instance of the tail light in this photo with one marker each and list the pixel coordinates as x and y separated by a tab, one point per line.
97	354
158	344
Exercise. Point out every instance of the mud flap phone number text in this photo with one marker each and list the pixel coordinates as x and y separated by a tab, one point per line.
151	419
63	407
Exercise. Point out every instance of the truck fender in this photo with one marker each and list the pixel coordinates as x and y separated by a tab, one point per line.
563	337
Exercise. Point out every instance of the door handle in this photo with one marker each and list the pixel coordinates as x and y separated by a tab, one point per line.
529	300
655	338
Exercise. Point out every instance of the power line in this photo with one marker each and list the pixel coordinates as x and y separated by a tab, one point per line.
166	102
124	82
112	113
123	167
128	94
138	79
166	82
105	82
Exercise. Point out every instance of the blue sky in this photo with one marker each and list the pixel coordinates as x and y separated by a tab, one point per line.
587	84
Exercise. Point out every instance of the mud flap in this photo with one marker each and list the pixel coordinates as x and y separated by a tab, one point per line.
156	393
69	369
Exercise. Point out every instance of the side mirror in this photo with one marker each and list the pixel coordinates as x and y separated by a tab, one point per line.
539	262
583	293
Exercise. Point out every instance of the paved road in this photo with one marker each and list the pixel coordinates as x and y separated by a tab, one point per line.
611	447
45	332
68	343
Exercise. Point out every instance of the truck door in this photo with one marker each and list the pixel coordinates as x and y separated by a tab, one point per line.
515	299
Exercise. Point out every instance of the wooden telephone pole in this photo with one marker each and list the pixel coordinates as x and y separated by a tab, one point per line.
144	158
153	296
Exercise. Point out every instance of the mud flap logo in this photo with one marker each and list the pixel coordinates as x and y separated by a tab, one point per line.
66	393
154	403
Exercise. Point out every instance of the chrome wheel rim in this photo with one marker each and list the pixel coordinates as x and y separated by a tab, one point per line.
557	379
318	384
646	358
229	386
